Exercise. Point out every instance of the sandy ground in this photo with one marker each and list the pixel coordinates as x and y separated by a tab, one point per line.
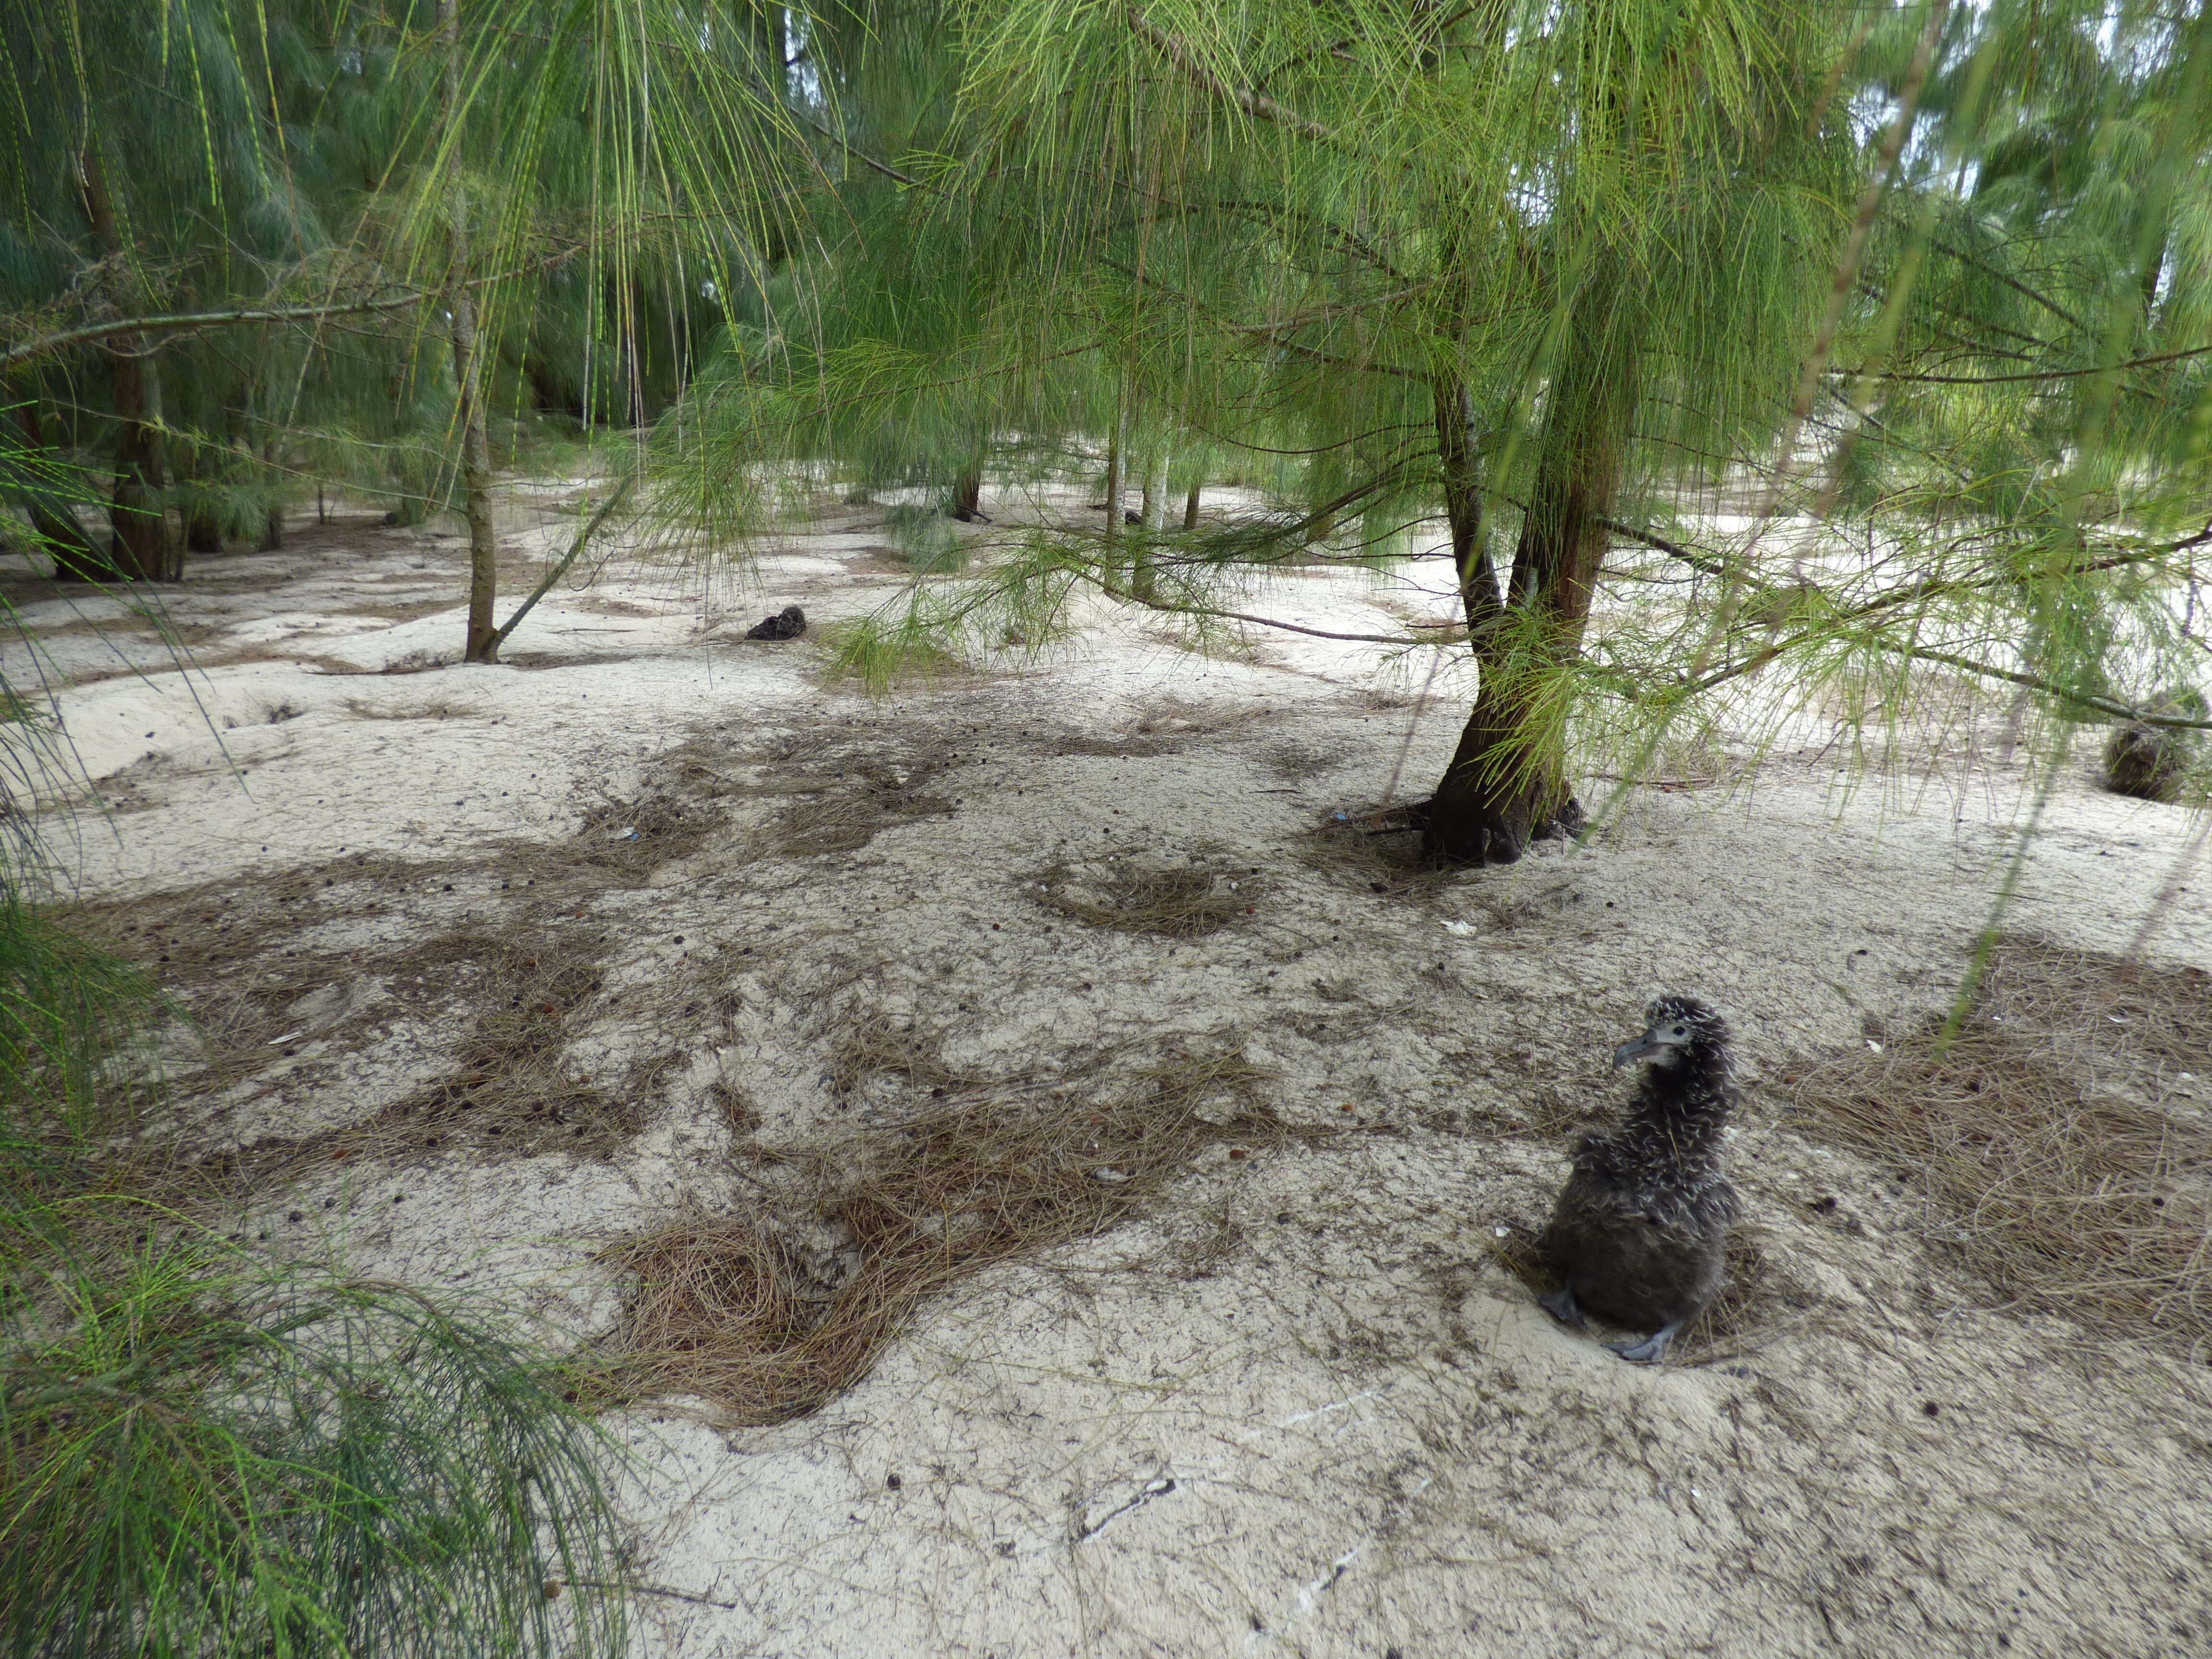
1300	1405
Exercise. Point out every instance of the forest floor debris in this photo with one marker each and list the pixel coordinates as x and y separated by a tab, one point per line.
2045	1138
909	1373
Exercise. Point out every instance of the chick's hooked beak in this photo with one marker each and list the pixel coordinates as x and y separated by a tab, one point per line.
1651	1042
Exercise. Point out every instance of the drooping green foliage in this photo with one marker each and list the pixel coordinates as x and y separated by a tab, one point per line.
1908	286
208	1452
281	182
208	1449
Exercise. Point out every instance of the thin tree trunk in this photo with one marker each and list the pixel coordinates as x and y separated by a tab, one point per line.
968	496
1113	478
272	521
140	527
1153	517
483	644
1190	506
1507	781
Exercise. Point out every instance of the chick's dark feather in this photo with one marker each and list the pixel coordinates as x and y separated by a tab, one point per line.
1640	1231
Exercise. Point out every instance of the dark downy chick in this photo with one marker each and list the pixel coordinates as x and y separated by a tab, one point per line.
787	624
2154	762
1640	1233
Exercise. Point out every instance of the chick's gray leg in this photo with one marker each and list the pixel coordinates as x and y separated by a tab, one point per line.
1647	1351
1560	1304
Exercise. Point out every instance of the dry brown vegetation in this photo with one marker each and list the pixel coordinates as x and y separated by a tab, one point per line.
1139	897
843	795
2055	1162
770	1312
1376	846
501	948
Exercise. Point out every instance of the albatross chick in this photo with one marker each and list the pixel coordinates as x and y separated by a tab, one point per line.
1640	1233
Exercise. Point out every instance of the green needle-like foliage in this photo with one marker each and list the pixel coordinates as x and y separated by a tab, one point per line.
209	1449
206	1449
1919	287
209	1452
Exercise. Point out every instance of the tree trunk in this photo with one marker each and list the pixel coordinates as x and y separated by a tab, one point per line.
483	643
968	496
1114	481
1478	581
76	556
140	551
202	533
1153	518
273	519
1190	506
1155	512
1507	781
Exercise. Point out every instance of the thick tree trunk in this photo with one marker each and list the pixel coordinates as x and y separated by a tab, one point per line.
76	556
1478	581
1507	781
202	533
140	550
482	643
968	496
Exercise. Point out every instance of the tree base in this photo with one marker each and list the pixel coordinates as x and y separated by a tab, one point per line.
1467	828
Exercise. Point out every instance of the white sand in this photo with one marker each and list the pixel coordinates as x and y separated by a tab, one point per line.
1299	1409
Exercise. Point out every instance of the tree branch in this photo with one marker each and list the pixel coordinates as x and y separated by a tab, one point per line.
1256	104
192	322
1264	621
2013	282
1711	566
583	537
2115	711
2049	373
1329	313
2119	711
863	157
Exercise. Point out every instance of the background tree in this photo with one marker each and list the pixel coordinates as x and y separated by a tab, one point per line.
1540	270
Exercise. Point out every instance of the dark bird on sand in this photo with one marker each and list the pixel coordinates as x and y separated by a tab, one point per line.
2153	761
1639	1235
787	624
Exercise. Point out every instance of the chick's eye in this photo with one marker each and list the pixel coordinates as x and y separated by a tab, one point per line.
1680	1030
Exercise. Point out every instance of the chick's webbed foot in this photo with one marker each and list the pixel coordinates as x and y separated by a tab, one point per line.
1647	1351
1560	1304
